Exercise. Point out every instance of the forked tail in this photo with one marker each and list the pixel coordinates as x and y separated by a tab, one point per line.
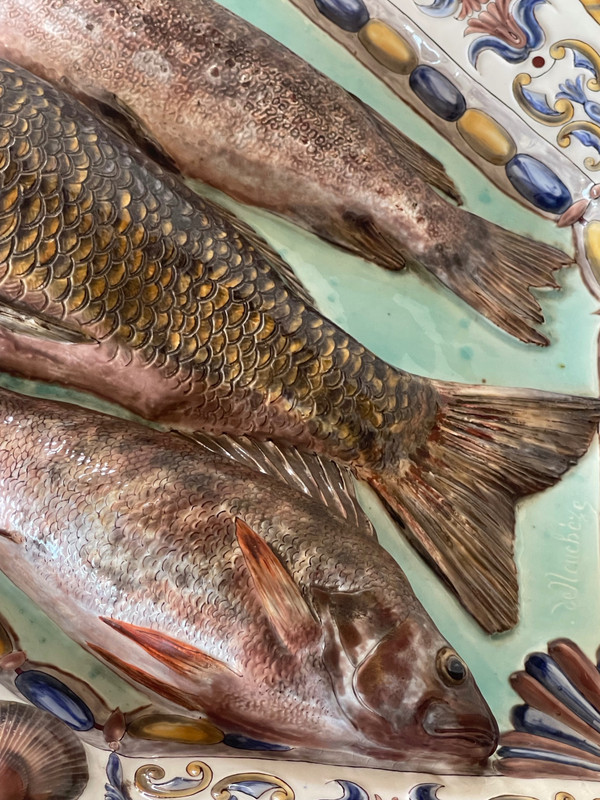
456	494
493	270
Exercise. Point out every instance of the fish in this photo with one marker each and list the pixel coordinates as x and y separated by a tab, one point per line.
269	608
225	103
117	279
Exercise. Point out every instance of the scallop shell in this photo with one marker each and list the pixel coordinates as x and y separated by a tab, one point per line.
39	756
557	730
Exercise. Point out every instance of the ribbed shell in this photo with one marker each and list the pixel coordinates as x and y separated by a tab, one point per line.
45	754
557	730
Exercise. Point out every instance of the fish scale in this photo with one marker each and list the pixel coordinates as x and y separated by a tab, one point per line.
121	524
138	290
141	264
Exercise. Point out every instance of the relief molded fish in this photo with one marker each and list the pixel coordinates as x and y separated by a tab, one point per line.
235	108
228	592
117	279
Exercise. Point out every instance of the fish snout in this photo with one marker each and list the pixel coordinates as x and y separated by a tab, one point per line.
476	733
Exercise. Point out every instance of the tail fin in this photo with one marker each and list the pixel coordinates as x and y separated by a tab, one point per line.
496	272
456	494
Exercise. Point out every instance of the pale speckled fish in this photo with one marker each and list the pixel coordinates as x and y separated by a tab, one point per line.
233	107
229	592
117	279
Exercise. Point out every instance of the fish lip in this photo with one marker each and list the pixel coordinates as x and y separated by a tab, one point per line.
474	730
472	736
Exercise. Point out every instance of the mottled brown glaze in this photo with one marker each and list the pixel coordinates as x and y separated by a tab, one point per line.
117	279
233	107
103	519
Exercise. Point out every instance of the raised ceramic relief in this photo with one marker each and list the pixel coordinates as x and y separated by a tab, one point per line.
158	660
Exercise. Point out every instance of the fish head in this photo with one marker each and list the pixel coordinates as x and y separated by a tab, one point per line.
402	685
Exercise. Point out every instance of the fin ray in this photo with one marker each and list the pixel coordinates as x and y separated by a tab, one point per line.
457	493
321	479
282	601
179	656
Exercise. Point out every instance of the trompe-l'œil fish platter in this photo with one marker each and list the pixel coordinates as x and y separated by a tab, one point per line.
247	294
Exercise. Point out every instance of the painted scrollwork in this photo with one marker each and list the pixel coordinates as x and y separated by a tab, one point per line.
149	780
255	784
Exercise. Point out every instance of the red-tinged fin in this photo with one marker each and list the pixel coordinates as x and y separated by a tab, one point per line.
425	165
456	494
494	272
143	678
178	656
288	612
13	536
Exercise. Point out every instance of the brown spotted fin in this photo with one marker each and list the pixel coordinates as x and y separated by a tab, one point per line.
282	601
178	656
319	478
27	322
423	163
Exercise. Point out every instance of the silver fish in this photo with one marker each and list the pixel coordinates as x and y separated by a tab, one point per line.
226	590
117	279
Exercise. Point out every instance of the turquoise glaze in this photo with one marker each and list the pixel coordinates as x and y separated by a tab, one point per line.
413	322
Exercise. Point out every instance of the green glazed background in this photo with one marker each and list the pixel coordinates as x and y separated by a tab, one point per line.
416	324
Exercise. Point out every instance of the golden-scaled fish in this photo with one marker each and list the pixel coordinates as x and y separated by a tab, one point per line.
274	612
233	107
117	279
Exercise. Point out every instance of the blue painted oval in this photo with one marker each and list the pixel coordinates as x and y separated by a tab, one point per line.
537	183
438	93
241	742
50	694
350	15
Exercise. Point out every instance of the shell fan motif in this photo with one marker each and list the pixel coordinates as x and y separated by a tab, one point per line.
40	757
557	730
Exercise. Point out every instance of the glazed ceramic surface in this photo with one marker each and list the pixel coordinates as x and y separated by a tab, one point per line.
418	326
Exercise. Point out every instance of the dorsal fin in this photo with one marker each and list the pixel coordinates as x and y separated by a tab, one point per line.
288	612
319	478
425	165
179	656
118	116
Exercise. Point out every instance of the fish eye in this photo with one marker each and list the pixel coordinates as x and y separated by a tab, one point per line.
451	668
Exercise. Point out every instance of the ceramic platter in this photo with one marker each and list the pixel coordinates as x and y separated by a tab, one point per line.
531	66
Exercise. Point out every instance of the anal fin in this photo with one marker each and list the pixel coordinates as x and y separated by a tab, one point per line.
144	678
178	656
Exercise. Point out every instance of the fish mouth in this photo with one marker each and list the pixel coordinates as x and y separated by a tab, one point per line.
473	736
473	731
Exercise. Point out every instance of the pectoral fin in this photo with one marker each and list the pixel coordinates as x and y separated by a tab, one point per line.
27	322
282	601
178	656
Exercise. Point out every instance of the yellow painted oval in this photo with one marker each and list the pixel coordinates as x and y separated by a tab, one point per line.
388	47
591	238
173	728
5	642
486	136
